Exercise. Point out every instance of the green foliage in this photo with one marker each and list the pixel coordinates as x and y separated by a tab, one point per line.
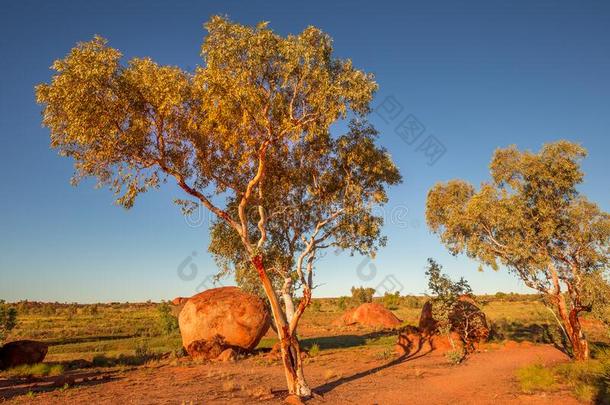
314	350
445	295
343	303
589	380
596	295
532	199
8	319
361	295
247	136
454	309
535	377
530	218
455	356
167	321
414	302
442	287
142	349
315	306
391	300
35	370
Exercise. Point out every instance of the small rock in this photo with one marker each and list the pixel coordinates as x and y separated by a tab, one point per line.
227	355
63	380
293	400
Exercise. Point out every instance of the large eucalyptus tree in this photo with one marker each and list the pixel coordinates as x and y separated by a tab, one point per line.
531	218
247	136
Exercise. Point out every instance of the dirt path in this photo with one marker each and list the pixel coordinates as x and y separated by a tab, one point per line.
355	376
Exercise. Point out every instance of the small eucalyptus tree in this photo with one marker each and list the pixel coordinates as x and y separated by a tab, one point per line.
8	319
531	219
247	136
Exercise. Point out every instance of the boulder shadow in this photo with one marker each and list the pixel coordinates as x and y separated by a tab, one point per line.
14	387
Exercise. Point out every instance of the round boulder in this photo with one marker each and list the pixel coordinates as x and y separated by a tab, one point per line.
222	318
370	314
22	352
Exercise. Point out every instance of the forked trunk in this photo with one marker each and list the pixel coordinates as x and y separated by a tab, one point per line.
290	348
573	328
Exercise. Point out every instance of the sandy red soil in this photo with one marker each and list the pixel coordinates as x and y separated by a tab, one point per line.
350	376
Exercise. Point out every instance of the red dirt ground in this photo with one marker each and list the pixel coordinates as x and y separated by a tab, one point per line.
349	376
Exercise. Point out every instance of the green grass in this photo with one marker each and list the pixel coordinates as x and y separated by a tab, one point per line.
314	350
536	377
34	370
589	380
114	331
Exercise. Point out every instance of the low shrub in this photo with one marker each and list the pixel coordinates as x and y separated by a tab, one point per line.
168	323
455	356
391	300
535	377
316	306
589	380
342	303
314	350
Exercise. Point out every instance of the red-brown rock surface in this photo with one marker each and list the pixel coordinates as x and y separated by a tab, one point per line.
222	318
21	352
427	324
179	301
466	319
370	314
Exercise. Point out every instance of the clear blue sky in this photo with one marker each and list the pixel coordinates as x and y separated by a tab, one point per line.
477	75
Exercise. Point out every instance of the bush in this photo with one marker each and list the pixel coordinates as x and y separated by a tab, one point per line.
342	303
167	321
590	379
314	350
535	377
455	356
316	306
362	295
142	350
450	312
391	300
102	361
411	301
8	319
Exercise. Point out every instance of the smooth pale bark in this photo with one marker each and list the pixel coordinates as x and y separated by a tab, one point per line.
290	347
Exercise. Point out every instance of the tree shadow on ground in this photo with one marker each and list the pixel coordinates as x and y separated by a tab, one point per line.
13	387
547	333
85	339
346	341
325	388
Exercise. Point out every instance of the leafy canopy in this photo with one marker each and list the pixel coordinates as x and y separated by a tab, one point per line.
8	319
530	217
321	196
133	125
246	135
